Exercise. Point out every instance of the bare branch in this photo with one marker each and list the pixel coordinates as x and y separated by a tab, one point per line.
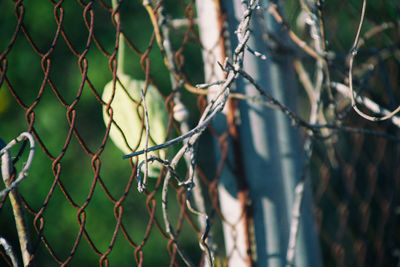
146	144
9	251
353	53
11	189
22	174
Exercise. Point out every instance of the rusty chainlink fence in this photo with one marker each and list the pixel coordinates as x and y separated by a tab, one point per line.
80	198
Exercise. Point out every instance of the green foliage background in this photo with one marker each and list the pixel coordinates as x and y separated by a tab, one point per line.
24	71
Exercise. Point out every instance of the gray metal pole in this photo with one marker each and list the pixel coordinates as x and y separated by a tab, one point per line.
271	148
271	151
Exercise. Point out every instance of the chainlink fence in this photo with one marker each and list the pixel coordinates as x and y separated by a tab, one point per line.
80	198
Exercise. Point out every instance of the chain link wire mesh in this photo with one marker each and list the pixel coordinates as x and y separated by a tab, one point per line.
80	197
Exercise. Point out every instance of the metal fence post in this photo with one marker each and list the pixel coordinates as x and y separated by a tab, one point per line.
271	150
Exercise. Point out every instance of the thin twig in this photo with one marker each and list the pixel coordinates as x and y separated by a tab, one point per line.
314	95
299	42
142	186
375	30
168	226
256	53
9	251
22	174
181	115
353	53
159	38
166	163
366	102
11	189
294	224
207	85
322	75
